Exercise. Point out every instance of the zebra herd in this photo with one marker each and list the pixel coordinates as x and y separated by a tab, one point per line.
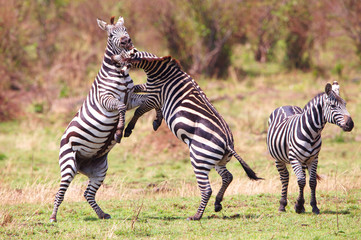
294	135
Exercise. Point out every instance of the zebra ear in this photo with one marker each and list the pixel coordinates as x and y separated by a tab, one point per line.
336	87
120	21
112	20
328	89
103	25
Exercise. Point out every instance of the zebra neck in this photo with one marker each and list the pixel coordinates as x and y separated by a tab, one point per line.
313	120
109	69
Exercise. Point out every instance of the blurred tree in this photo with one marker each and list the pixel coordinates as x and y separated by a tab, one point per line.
347	16
263	26
52	48
299	37
199	33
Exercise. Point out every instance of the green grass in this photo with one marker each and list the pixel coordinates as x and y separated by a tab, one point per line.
150	188
243	217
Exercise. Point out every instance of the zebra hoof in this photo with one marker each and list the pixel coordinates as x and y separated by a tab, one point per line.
299	209
156	125
127	132
282	209
217	207
193	219
105	216
117	138
52	220
315	210
196	217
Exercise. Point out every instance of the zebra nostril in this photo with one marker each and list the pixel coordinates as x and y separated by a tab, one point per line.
349	125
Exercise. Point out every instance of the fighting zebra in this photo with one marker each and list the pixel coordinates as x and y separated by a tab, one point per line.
99	123
191	117
294	137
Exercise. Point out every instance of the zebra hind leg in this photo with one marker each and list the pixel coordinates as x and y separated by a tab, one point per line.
89	194
227	178
204	187
96	174
68	171
284	177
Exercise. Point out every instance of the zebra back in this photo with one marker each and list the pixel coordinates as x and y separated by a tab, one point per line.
158	70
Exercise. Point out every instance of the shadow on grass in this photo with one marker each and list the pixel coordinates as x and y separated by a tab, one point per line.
235	216
91	219
144	218
330	212
163	218
343	212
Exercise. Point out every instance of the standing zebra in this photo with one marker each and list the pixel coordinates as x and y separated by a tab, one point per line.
99	123
294	137
191	117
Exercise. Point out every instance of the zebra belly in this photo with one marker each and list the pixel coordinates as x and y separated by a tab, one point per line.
277	143
284	142
91	138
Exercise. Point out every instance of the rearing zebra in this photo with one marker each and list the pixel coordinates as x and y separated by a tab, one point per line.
191	117
99	123
294	137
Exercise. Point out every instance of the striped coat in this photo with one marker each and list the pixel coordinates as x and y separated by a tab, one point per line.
99	123
192	118
294	137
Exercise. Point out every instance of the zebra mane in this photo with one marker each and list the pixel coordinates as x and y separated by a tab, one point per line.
319	95
337	97
149	57
176	63
312	101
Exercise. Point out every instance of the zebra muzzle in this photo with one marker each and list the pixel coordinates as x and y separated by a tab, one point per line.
348	125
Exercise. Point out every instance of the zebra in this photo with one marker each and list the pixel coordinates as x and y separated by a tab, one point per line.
99	123
294	137
191	117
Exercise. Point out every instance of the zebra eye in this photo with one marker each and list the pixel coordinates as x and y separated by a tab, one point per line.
333	106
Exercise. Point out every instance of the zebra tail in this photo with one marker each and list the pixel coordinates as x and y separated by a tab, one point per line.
250	173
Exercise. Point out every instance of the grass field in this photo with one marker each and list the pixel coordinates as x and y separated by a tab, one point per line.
150	188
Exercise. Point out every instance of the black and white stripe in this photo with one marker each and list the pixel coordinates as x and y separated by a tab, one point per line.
294	137
192	118
99	123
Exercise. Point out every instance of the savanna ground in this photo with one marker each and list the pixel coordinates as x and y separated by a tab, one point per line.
249	57
150	188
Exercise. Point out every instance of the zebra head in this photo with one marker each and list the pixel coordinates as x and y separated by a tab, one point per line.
335	108
118	36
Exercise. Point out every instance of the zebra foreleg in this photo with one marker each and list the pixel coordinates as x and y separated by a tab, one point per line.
284	177
137	114
138	99
227	178
301	180
140	88
68	171
312	169
120	126
110	103
158	119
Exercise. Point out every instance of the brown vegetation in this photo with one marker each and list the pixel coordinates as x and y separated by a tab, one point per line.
52	49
